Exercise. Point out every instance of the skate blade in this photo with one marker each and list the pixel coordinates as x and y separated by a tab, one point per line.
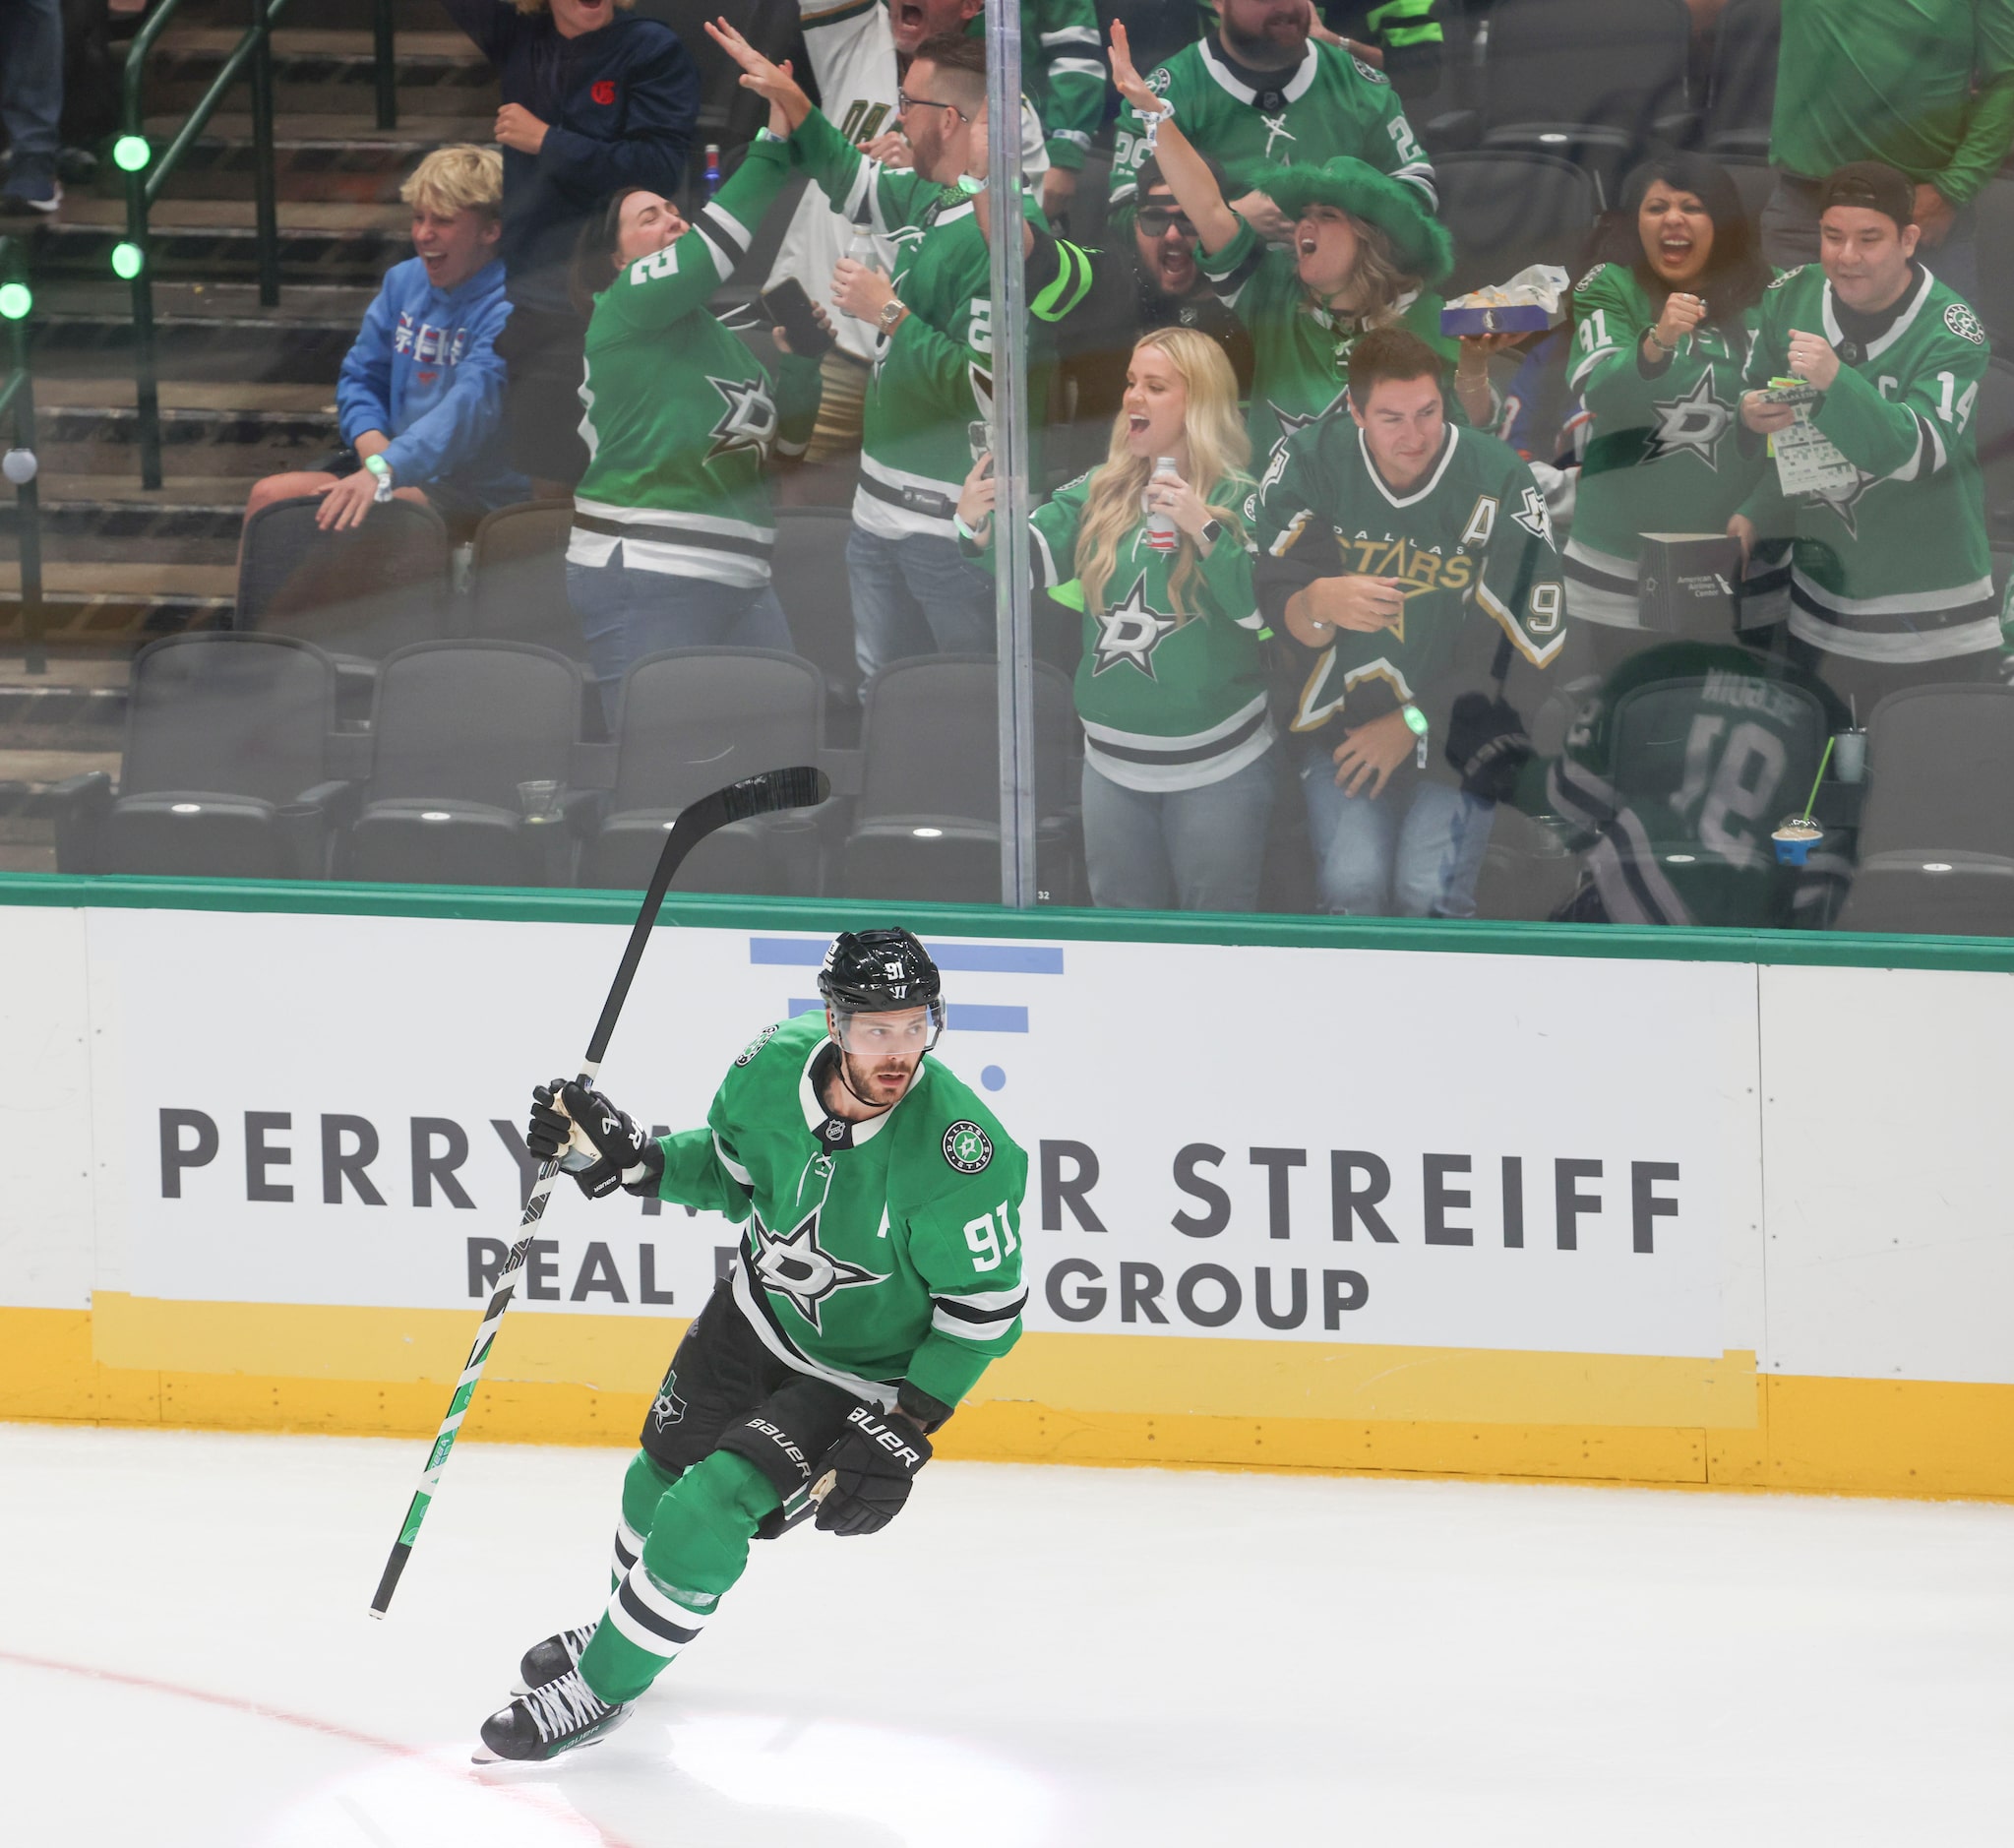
482	1755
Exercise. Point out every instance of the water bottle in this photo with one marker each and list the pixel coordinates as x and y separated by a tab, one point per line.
712	170
860	247
1161	533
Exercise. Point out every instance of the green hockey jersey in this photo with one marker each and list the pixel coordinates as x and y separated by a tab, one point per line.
1167	702
1896	568
931	377
1331	104
872	1252
1063	74
1665	454
679	414
1300	349
1673	775
1473	544
1926	86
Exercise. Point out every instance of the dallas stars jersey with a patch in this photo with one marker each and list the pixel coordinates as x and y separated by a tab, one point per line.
1300	349
870	1252
1897	568
933	376
1328	104
1166	703
680	416
852	54
1472	543
1673	775
1665	454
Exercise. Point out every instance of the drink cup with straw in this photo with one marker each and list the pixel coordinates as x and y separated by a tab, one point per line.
1796	834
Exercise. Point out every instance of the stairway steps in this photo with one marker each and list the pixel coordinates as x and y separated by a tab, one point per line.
118	603
216	240
312	69
102	438
203	332
331	157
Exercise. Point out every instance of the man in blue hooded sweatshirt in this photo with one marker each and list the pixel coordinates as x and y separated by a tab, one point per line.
421	391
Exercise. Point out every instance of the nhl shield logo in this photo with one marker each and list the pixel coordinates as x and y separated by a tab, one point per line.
967	1147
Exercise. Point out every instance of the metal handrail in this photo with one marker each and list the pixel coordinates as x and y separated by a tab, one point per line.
18	398
253	53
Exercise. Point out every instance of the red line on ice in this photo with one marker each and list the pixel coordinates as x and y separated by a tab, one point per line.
258	1710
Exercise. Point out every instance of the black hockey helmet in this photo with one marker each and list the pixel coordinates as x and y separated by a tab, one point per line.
881	971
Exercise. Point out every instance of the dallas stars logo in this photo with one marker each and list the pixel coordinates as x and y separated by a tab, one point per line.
747	423
794	1265
1691	425
1277	129
1843	503
669	1409
1533	516
1130	630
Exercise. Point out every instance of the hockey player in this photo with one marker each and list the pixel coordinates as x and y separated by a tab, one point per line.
1259	90
1890	579
1365	246
1412	563
879	1273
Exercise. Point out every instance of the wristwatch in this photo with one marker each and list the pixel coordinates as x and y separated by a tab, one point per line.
890	316
1212	532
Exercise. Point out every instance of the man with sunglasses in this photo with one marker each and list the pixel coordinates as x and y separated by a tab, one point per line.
877	1275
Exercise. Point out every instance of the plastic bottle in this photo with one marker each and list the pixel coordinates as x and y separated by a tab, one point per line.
860	247
1161	533
712	170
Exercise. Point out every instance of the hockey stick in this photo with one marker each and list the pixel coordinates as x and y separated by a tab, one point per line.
767	794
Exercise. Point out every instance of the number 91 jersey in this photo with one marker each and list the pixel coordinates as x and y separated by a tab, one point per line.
873	1251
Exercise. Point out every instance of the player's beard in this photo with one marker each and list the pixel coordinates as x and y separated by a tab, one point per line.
858	1075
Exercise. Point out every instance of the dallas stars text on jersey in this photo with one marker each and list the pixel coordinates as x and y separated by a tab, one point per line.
1331	103
1167	702
1896	567
1666	453
679	412
1472	544
870	1252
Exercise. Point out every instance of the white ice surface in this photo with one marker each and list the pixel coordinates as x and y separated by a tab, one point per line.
1055	1656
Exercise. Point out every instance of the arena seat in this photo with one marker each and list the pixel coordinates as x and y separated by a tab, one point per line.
1936	842
226	771
694	720
361	594
928	818
517	579
1992	431
1509	209
456	726
808	571
1741	88
1994	244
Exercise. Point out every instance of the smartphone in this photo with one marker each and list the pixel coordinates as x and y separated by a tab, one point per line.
980	440
790	308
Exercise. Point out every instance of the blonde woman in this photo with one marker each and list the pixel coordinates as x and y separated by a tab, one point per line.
1179	770
594	99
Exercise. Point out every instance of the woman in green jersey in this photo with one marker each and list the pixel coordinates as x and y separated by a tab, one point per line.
1366	251
1660	334
1178	781
672	524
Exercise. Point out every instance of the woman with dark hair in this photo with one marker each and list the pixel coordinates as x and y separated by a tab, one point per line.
1662	326
672	526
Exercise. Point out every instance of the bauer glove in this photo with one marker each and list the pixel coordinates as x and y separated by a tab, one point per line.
864	1479
1488	745
599	1145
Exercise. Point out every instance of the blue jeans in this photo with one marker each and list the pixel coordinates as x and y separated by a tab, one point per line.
1178	850
625	615
914	595
31	87
1414	851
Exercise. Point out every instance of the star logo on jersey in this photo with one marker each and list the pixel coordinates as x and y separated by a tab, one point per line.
669	1408
1131	632
794	1266
1531	514
1843	503
1277	129
1690	424
747	423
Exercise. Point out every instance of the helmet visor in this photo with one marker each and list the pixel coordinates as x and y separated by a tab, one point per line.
890	1034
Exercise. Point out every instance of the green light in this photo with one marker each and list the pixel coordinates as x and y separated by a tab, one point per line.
14	300
127	262
130	153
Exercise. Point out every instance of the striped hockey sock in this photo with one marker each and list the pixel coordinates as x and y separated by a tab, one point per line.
646	1625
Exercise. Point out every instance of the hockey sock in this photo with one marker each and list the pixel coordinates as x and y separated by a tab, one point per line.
696	1547
642	1489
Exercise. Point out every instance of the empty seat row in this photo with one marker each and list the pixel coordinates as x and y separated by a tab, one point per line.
472	771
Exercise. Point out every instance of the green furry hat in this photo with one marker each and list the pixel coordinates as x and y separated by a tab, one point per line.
1419	240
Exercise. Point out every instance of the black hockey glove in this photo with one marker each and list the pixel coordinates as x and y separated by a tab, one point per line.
624	1155
864	1479
1488	745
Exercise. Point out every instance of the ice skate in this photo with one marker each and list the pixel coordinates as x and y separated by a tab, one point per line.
557	1656
549	1720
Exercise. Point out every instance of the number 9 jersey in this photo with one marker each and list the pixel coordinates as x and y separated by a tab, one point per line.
871	1253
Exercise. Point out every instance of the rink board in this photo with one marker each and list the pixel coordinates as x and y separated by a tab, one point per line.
1700	1207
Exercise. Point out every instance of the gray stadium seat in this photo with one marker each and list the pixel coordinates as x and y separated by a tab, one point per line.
227	767
928	817
1936	844
808	569
363	594
1992	432
1740	90
694	720
1996	247
517	579
455	728
1509	209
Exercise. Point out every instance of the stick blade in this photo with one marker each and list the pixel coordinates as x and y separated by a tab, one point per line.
801	787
